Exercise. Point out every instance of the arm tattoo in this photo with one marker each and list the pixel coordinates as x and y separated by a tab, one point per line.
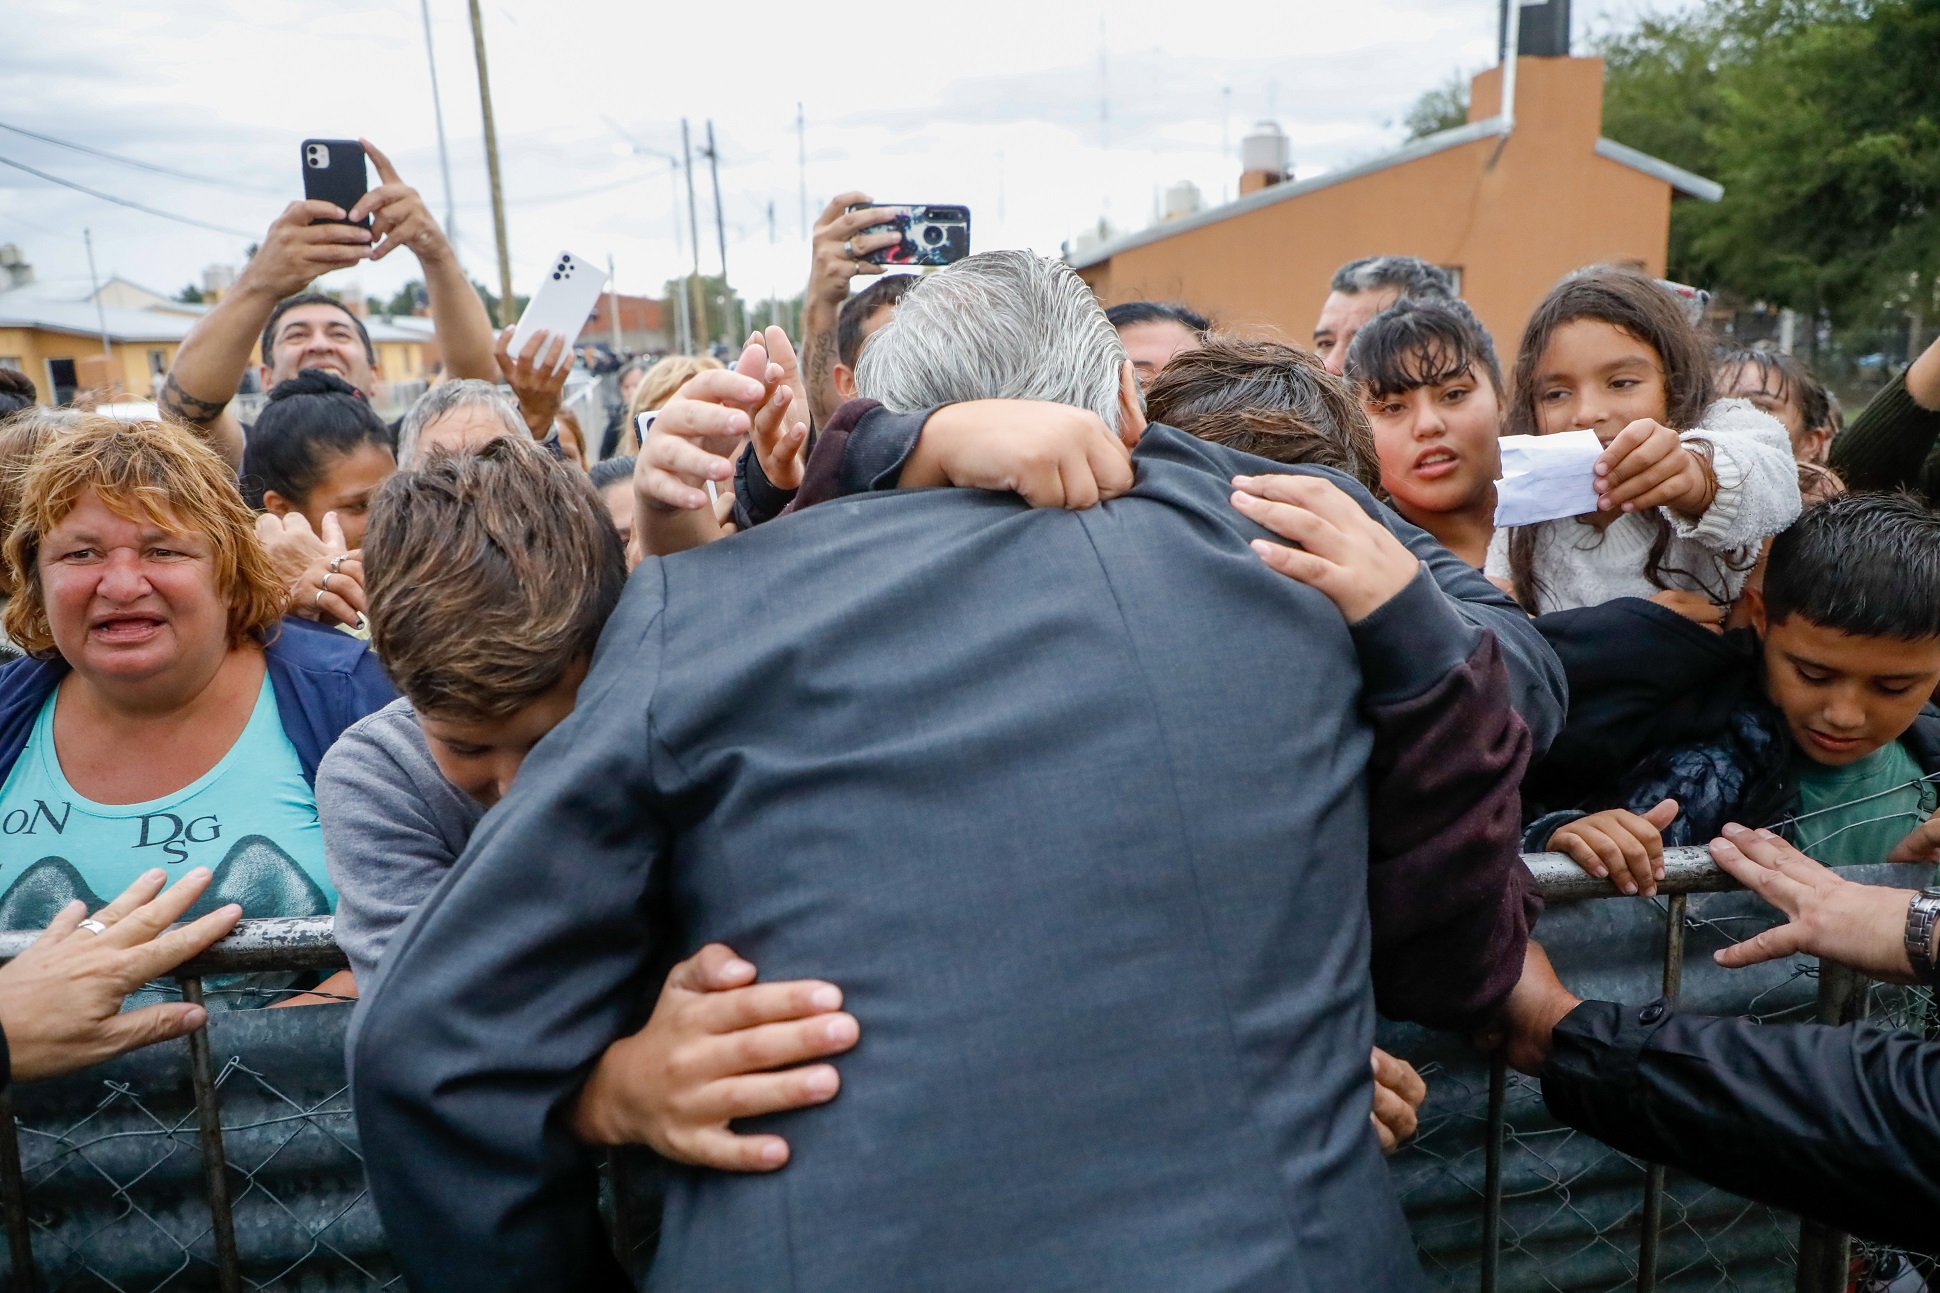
190	408
818	367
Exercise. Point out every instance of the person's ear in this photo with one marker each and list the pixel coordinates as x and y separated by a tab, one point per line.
262	375
1753	598
1131	406
276	505
844	378
1812	446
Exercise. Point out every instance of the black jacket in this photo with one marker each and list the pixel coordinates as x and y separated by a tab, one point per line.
1663	708
1839	1124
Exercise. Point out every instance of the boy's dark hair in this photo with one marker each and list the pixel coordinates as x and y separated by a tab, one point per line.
289	303
1410	275
1779	375
489	573
1634	303
611	471
309	422
16	391
1420	342
1269	399
856	311
1863	564
1128	313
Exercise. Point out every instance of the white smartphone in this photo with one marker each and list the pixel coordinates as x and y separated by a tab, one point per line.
565	299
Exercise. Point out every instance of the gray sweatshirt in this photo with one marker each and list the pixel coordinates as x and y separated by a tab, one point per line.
392	827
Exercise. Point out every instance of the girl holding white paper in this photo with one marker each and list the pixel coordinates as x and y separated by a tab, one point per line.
1688	487
1426	374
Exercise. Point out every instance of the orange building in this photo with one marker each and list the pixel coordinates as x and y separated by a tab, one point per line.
1511	202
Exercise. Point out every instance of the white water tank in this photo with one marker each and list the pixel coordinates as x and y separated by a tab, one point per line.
1266	149
1181	199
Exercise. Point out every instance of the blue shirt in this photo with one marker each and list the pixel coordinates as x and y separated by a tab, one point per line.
251	819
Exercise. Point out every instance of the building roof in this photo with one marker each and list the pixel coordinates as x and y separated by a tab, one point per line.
24	308
1679	179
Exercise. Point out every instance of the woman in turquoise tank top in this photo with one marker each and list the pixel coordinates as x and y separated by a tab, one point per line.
156	710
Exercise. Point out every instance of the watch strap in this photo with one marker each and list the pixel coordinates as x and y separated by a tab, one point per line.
1922	916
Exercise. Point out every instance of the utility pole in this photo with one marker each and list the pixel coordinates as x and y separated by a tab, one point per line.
613	301
506	303
693	227
774	292
720	226
101	317
801	163
438	114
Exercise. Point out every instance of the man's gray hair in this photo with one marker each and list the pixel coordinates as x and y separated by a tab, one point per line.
1408	275
1000	325
460	393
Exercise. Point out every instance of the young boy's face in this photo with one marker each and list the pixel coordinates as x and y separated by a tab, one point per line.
1844	697
482	757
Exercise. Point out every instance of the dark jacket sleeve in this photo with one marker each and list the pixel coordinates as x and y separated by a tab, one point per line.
1890	444
1449	900
757	500
495	1000
1536	685
1840	1124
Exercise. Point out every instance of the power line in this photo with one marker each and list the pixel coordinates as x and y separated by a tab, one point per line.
130	161
123	202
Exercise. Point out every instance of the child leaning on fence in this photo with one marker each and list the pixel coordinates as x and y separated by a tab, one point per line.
1829	738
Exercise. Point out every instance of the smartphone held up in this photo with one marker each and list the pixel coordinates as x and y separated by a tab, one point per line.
333	172
564	301
935	234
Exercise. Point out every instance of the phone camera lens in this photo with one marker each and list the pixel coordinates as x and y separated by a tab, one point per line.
555	273
932	235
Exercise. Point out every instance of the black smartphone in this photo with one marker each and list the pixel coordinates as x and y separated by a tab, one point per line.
932	235
333	171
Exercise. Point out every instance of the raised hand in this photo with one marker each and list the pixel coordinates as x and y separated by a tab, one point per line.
323	576
297	250
399	217
717	1047
537	375
1342	551
1648	466
839	244
60	1000
780	436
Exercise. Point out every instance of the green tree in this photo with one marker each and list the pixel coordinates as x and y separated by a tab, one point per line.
408	300
490	298
1442	108
1822	120
720	315
190	295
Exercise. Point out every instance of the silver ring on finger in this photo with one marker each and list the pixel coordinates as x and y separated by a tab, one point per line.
323	582
93	926
848	249
337	561
317	605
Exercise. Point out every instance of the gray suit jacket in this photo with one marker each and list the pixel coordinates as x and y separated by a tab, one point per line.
1071	805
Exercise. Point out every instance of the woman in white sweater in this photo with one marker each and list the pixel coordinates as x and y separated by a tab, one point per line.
1689	487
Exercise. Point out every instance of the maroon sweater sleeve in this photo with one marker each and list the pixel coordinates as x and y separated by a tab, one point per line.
822	477
1449	900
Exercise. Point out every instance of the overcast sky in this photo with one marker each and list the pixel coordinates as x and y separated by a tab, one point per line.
1041	115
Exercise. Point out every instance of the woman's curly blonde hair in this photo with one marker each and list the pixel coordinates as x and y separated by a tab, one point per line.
155	473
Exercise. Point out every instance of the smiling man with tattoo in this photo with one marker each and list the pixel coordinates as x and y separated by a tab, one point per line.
301	329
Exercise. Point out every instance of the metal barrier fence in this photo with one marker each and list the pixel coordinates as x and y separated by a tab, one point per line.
229	1160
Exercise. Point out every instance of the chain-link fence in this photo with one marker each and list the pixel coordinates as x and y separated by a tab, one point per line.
230	1160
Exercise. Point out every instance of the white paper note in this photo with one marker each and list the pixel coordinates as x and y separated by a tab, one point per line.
1547	477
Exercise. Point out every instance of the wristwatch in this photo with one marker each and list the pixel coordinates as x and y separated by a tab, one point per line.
1922	916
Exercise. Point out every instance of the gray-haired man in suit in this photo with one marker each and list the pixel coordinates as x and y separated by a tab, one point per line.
1073	806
